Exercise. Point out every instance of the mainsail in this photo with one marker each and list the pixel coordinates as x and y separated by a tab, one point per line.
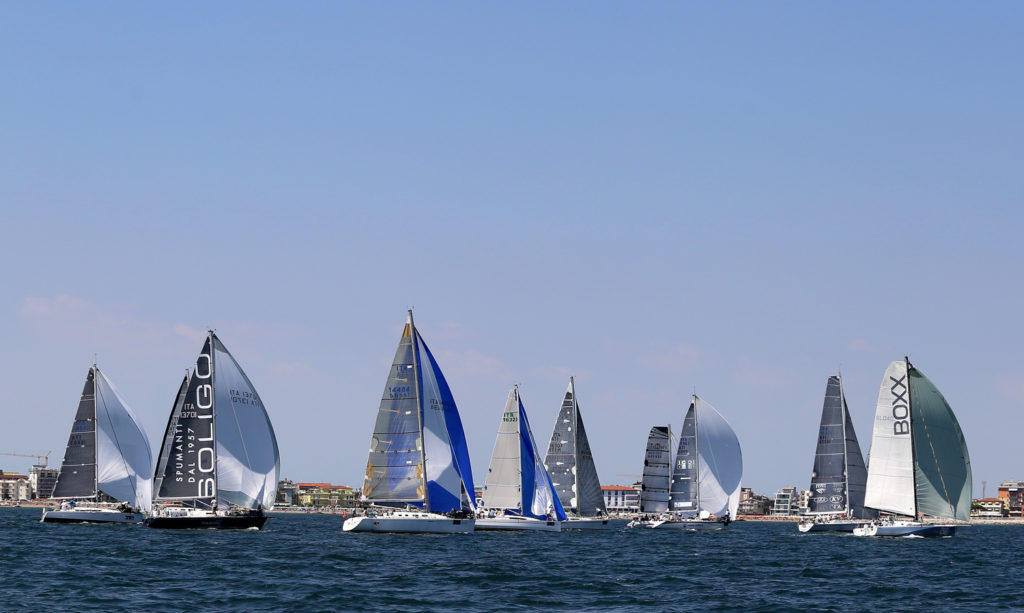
654	488
418	452
570	462
517	481
107	451
709	464
839	474
919	459
219	447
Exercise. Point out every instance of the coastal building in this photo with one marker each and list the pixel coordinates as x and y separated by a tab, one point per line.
325	495
786	502
14	487
41	479
287	494
621	498
988	507
753	504
1012	495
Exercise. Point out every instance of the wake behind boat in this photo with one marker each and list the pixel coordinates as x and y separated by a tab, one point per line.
518	494
919	475
703	492
570	464
838	476
219	464
418	455
107	460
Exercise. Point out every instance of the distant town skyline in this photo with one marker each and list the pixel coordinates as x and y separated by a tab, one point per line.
658	199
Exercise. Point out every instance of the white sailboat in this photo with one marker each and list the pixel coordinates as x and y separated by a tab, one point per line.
518	494
704	488
570	464
219	464
919	473
418	472
838	477
107	461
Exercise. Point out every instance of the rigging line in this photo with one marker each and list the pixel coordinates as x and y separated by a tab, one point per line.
117	442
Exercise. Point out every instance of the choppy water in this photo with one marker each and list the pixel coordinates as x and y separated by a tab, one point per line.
305	562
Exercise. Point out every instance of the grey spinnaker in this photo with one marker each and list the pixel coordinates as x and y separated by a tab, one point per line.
654	486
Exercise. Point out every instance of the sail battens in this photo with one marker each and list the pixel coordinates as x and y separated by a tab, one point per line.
655	482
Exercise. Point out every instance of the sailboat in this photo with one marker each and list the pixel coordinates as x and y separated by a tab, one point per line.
518	494
418	457
219	464
704	490
919	473
107	460
838	477
570	464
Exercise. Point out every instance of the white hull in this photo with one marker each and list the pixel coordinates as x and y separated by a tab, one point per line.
676	524
835	525
92	516
509	522
411	522
905	528
586	523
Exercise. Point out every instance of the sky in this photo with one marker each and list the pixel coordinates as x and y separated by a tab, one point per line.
737	199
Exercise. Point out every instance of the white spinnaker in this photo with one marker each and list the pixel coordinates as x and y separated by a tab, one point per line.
503	486
248	465
124	460
719	461
890	485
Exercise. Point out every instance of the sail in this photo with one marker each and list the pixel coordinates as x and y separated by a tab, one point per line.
684	493
856	471
394	468
890	485
570	463
657	460
190	470
124	460
448	473
538	493
943	466
503	487
168	445
828	477
588	485
719	461
248	461
560	460
77	477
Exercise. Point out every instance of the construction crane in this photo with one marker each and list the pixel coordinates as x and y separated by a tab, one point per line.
43	459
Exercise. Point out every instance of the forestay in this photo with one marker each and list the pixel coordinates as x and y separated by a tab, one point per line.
654	487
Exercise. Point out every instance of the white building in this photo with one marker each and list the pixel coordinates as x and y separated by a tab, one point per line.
621	499
42	479
14	487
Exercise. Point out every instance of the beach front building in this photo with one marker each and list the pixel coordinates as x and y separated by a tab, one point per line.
287	494
321	495
988	507
785	502
1012	495
14	487
621	498
41	479
753	504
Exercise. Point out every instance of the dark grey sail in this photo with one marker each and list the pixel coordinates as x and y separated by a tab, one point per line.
77	477
685	493
189	475
839	474
654	487
169	435
570	462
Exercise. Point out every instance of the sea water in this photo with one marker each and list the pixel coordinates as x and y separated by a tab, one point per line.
305	562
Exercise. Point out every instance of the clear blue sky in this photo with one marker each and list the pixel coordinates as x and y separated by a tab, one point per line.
737	198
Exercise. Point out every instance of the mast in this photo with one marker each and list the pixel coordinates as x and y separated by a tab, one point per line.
95	439
696	444
576	448
913	451
213	417
419	410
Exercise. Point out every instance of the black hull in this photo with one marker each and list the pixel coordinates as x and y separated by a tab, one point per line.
227	522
